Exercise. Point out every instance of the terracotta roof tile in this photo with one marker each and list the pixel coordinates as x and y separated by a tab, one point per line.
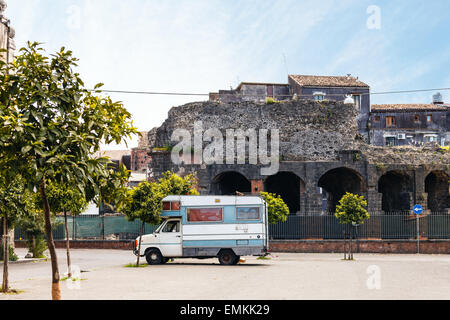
409	107
327	81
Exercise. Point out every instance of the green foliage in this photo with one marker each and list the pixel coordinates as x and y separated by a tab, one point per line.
144	203
109	187
32	227
351	209
145	200
37	247
12	255
444	149
52	124
15	201
270	100
173	184
133	265
276	207
65	198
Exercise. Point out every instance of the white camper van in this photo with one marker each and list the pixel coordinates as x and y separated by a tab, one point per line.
226	227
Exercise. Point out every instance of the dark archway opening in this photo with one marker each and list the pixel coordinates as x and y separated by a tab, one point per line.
436	185
396	187
287	185
335	183
228	183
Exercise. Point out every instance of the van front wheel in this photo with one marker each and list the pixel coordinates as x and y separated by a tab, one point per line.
227	257
154	257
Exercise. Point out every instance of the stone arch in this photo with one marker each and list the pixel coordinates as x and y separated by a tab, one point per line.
437	187
396	187
336	182
230	182
287	185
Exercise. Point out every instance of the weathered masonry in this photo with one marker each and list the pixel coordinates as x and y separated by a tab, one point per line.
409	124
322	156
305	87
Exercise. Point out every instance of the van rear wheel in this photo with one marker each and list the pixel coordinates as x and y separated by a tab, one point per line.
227	257
154	257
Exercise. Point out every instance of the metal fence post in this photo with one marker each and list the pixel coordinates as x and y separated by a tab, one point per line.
418	233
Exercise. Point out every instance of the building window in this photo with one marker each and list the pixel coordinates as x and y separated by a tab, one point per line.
319	96
390	141
429	118
357	99
390	121
430	138
377	118
416	118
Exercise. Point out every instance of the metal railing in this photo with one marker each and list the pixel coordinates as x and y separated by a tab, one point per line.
326	226
388	226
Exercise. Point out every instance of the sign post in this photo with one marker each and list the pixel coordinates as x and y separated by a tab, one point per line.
418	211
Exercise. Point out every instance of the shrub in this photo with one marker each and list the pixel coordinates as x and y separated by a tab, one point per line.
277	209
12	255
270	100
38	247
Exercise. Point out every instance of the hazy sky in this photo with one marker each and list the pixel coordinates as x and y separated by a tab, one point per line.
202	46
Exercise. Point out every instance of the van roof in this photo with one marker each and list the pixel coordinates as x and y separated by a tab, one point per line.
215	200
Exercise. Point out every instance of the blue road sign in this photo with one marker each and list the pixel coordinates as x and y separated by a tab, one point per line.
418	209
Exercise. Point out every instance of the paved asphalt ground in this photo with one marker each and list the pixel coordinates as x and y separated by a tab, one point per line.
285	276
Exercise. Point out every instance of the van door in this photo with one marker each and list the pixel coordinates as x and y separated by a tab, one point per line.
170	239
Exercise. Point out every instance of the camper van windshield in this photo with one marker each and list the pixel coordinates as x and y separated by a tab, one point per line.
159	228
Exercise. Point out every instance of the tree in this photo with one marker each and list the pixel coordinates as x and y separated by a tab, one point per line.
51	123
277	209
15	202
351	211
64	198
145	200
32	227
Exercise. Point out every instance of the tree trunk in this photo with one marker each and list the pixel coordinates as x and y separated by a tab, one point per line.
69	268
139	247
33	246
56	288
5	284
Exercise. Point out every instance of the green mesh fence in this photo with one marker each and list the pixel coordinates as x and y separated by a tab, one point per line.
96	228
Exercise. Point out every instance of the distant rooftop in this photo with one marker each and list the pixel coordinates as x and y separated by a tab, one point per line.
410	107
260	84
327	81
113	154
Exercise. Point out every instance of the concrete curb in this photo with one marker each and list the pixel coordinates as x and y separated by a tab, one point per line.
20	261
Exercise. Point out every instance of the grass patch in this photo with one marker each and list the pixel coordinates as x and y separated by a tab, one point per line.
11	291
133	265
73	279
264	258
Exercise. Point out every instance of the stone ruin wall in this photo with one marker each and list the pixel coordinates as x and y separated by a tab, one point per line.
309	131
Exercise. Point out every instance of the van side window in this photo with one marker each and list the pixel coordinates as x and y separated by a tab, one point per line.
172	226
205	215
247	213
166	206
